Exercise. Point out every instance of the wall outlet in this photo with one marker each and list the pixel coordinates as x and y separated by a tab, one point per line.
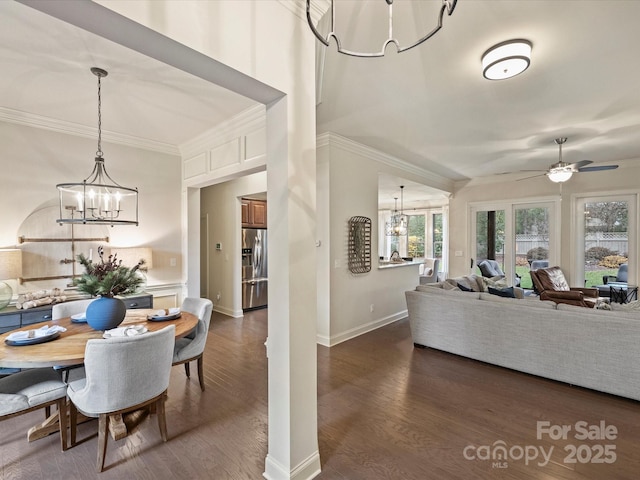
218	296
458	253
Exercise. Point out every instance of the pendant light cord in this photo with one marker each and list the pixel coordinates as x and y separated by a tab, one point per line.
99	152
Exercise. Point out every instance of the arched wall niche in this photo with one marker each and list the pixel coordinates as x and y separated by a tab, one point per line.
49	250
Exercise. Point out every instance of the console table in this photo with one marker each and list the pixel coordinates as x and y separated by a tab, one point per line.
12	318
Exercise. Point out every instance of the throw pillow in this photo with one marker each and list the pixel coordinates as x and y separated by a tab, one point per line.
502	292
464	288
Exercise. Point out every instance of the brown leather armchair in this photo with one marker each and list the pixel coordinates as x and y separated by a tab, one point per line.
551	285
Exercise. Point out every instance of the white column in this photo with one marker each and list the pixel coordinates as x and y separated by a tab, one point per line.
291	346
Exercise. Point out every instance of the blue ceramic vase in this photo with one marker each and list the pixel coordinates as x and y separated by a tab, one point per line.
105	313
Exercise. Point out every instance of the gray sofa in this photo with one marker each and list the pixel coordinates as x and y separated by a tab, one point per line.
591	348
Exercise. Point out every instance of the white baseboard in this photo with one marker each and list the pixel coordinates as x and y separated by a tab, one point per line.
359	330
305	470
227	311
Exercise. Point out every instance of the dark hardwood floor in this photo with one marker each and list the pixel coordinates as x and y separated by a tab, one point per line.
386	410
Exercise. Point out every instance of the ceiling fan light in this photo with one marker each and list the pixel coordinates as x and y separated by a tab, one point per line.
560	176
506	59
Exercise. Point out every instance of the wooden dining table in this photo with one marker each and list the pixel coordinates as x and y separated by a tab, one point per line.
68	349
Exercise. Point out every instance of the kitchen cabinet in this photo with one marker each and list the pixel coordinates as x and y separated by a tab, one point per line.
254	213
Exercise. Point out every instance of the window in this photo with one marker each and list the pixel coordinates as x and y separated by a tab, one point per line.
416	235
532	241
437	236
606	236
425	236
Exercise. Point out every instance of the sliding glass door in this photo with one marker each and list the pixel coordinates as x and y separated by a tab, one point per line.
520	237
532	228
490	236
606	237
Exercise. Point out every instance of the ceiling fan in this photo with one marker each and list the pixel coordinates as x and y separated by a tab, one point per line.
562	171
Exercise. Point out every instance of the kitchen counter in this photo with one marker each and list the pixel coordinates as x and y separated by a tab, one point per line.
384	265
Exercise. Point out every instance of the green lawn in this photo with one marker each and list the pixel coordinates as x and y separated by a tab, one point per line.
593	277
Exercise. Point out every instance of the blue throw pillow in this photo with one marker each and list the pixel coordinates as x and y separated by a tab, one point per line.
502	292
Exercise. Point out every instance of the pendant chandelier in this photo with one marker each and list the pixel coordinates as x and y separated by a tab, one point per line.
397	224
447	5
98	199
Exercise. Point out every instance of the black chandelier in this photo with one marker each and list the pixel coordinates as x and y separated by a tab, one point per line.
98	199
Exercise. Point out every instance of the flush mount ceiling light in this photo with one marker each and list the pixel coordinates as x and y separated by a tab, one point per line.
447	5
506	59
397	224
98	199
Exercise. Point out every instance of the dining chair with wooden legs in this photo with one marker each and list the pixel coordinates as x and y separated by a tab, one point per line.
123	374
66	309
31	390
191	347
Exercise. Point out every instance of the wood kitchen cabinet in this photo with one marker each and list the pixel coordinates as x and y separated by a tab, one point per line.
254	213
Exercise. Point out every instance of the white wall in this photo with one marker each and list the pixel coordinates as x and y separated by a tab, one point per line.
267	41
34	160
348	186
624	179
220	205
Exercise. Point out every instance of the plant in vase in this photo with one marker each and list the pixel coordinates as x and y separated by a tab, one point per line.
106	279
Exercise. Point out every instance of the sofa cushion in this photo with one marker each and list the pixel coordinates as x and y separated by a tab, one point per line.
454	292
471	282
502	292
495	282
626	307
429	287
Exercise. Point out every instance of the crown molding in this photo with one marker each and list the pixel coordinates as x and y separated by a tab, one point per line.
68	128
246	121
317	8
432	179
297	7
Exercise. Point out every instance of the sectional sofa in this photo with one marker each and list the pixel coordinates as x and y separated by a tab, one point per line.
588	347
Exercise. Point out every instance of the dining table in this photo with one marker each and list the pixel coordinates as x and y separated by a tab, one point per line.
68	349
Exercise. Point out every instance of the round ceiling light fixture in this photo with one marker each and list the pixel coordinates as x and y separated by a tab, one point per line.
560	175
506	59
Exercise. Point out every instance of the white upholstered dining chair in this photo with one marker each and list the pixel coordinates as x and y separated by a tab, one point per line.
31	390
191	347
66	309
123	374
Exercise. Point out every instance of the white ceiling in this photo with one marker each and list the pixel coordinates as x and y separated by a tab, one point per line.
46	71
429	106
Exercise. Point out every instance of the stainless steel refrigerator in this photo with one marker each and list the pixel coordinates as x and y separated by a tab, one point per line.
254	268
